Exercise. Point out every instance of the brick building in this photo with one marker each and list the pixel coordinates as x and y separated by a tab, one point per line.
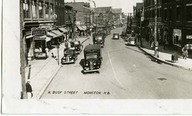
40	18
177	17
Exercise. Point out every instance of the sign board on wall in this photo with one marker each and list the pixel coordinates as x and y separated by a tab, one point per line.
188	36
38	32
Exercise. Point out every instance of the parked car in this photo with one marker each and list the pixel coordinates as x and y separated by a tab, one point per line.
92	58
131	41
78	47
69	56
115	35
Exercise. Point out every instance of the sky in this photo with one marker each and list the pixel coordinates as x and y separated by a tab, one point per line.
126	5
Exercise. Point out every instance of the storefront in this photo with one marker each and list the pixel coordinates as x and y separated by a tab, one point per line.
177	37
65	32
57	37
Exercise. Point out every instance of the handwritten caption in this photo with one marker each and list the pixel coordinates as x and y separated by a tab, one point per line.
77	92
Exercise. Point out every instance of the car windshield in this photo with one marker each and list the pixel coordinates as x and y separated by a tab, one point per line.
91	56
99	38
132	39
69	51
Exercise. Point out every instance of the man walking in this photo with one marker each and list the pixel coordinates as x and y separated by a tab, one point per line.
29	90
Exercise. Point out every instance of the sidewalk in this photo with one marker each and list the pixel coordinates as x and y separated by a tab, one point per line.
165	57
43	71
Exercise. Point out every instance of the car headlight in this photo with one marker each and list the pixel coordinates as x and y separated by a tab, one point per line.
86	64
94	63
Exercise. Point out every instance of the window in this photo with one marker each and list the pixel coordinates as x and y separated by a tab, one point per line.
46	10
189	13
34	12
40	9
26	12
178	13
166	16
177	37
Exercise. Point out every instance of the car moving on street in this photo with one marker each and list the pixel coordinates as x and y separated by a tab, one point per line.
92	58
130	41
69	56
115	35
99	38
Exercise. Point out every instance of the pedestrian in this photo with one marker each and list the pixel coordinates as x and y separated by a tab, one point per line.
29	90
184	52
155	46
47	51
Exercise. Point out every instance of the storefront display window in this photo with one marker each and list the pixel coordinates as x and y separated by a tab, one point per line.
177	37
26	9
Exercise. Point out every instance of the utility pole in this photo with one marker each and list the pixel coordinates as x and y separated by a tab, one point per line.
155	27
22	53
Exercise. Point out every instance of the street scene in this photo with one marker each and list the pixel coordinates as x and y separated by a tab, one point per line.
80	50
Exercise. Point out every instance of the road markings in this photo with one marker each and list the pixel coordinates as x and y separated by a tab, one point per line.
115	75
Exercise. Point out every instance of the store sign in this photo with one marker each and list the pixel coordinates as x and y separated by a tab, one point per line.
189	36
38	32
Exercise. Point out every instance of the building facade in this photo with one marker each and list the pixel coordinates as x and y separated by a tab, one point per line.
84	14
40	18
152	9
177	17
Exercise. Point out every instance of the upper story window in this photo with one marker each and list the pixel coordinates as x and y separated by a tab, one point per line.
26	11
40	9
178	14
189	13
34	9
46	10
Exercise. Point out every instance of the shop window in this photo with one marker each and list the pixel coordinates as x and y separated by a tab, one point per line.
40	9
189	13
177	37
26	12
34	12
177	40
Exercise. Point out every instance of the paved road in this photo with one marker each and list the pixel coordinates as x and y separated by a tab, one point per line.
126	73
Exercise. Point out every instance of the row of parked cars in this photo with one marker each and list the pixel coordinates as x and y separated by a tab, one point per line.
70	53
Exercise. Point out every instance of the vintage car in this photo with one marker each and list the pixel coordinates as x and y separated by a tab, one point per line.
92	58
39	54
69	56
115	35
130	41
78	47
99	38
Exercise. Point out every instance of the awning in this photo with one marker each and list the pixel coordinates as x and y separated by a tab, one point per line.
64	30
48	39
55	33
28	36
84	27
81	28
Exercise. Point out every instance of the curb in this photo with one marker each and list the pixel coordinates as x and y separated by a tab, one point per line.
52	76
164	61
47	83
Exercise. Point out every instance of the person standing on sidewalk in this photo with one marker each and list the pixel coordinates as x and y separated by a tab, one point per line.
155	45
184	52
29	90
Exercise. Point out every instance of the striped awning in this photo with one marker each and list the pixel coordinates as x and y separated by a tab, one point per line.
55	33
64	30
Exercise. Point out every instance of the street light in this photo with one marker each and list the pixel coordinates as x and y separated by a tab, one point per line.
58	52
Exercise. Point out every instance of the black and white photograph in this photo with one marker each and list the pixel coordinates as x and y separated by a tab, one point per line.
96	57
